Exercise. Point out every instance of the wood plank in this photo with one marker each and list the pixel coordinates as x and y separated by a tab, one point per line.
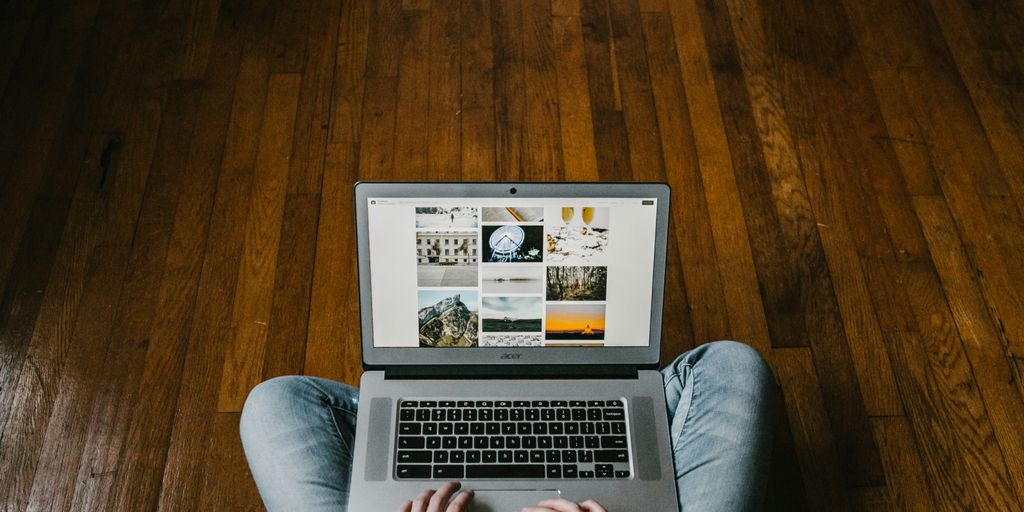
812	433
410	132
746	312
984	42
228	483
986	347
575	120
17	20
243	360
288	38
791	262
198	39
634	80
350	67
37	389
333	349
39	97
565	8
692	228
509	101
908	487
611	140
382	50
477	92
542	139
444	119
211	324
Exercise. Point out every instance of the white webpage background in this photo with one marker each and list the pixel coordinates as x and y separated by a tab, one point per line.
391	224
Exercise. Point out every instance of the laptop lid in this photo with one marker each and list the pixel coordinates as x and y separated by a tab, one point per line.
511	273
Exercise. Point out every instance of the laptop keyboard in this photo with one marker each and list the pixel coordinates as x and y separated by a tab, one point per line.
518	439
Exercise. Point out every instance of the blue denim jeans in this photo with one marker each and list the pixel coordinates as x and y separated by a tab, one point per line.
298	433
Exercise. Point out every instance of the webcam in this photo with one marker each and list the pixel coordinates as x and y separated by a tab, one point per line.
512	190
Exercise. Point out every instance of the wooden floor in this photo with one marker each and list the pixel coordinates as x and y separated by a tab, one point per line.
175	187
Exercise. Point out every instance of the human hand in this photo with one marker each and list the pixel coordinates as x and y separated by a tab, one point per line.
430	501
561	505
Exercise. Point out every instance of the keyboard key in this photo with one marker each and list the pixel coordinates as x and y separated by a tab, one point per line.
569	471
430	429
544	442
407	415
505	456
533	415
501	414
476	429
497	442
437	414
536	456
539	403
484	403
576	442
465	442
413	471
611	456
410	442
577	403
490	456
461	429
473	456
446	403
409	429
614	414
604	428
454	415
495	471
559	403
595	403
512	442
503	403
407	456
508	428
554	471
585	455
428	403
440	456
547	414
561	442
520	403
457	456
523	429
449	471
422	415
447	442
521	456
622	474
493	429
480	442
572	428
591	441
433	442
412	404
516	415
445	429
553	456
540	429
613	442
568	455
469	415
618	427
529	442
586	474
579	414
486	415
614	403
601	470
465	404
594	414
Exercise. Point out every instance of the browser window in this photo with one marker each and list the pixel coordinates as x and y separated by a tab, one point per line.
519	272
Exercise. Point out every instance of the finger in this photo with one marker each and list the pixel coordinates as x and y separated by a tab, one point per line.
560	505
536	509
420	503
461	501
406	506
592	506
440	500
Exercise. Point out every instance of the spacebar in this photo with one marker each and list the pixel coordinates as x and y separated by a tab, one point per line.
505	471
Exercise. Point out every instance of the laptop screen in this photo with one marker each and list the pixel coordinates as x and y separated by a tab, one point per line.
499	272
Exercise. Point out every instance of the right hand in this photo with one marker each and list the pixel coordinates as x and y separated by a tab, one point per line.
439	501
561	505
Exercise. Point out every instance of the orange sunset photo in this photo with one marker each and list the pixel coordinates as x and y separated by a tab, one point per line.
574	322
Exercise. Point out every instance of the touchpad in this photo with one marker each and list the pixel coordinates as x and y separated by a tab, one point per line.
485	500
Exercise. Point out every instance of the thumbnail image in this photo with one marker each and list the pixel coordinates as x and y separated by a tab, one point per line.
513	214
578	235
454	217
512	244
512	278
511	314
448	318
510	340
446	258
578	322
577	283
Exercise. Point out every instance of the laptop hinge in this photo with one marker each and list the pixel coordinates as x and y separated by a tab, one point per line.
511	372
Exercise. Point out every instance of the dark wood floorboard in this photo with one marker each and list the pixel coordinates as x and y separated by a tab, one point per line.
175	181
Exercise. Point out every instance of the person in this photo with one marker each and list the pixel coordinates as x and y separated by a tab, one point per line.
298	434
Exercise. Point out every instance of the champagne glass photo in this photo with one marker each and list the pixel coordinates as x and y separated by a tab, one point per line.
567	213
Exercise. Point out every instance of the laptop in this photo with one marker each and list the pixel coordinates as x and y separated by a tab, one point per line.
510	341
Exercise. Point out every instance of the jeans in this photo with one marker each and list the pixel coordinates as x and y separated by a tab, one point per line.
298	433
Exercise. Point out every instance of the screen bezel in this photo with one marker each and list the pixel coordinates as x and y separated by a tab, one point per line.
382	357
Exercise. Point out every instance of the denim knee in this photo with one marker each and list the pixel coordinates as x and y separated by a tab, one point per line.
727	360
268	399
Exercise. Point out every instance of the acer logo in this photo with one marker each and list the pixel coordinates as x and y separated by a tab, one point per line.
511	356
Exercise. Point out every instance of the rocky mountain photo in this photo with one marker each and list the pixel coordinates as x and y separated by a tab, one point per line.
448	322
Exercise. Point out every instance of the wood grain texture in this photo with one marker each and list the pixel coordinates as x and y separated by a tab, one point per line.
176	180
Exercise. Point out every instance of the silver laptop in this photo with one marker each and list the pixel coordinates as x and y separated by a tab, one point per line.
510	337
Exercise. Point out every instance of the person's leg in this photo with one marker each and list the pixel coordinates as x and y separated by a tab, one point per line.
298	435
721	400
